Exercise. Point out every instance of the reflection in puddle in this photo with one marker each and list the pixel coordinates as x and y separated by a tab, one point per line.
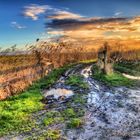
57	93
93	95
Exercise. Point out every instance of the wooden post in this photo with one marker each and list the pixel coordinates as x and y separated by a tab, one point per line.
105	52
39	62
103	61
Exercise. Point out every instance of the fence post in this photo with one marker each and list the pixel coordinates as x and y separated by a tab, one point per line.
103	60
39	62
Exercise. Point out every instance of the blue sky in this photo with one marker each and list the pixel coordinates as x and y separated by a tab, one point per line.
17	26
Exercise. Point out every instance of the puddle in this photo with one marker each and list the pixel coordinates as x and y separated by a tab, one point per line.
86	72
58	93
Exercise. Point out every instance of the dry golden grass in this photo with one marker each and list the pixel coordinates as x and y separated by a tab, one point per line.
11	62
18	77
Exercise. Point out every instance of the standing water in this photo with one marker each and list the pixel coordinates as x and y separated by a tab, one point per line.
112	113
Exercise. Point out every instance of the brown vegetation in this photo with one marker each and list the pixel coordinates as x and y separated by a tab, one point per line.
17	72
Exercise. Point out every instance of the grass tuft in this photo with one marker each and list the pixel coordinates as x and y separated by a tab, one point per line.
77	81
75	123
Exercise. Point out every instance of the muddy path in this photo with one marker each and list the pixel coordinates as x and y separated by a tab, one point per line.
111	113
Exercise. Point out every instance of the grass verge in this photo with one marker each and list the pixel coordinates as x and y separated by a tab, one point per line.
128	68
16	112
115	79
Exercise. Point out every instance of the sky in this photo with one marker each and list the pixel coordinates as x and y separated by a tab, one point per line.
22	22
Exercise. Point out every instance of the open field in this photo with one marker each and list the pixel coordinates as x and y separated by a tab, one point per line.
19	71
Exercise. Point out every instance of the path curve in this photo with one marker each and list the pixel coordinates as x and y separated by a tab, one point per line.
112	113
131	77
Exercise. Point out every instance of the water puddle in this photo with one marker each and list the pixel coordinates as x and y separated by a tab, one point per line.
86	72
59	93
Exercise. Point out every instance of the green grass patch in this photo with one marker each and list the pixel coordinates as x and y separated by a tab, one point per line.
50	134
16	112
69	113
53	135
74	123
78	99
77	81
73	117
115	79
53	117
128	68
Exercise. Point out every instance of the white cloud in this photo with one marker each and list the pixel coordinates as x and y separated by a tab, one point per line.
59	14
17	25
118	14
33	11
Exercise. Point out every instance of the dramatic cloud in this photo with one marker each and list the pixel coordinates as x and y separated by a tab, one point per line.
80	27
17	26
60	14
64	24
94	30
86	23
33	11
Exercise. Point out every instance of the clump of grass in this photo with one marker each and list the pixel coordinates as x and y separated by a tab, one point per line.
78	99
77	81
75	123
48	121
115	79
50	134
70	116
53	135
73	117
53	117
69	113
